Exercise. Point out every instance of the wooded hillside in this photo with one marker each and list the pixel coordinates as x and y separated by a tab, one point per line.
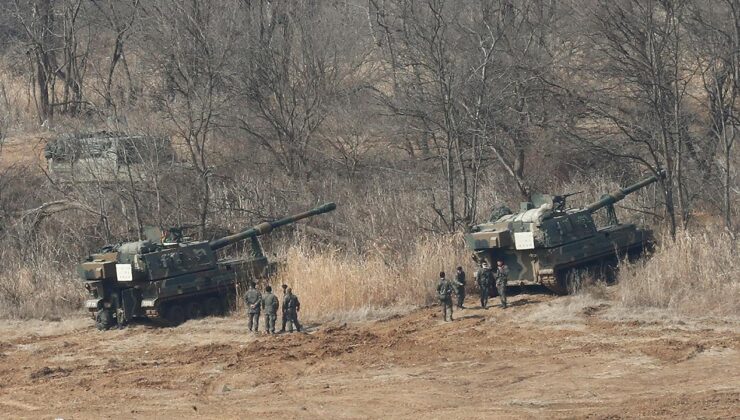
416	117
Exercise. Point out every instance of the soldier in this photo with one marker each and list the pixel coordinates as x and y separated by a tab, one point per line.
483	278
284	317
253	299
460	292
444	292
291	307
270	304
502	277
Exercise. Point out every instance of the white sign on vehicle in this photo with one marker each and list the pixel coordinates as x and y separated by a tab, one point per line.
123	272
524	240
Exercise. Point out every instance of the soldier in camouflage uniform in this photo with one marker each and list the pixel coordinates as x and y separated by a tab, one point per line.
291	307
502	277
484	279
284	317
460	292
444	292
270	304
253	299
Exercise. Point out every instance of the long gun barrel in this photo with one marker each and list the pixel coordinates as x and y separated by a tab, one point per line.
620	194
267	227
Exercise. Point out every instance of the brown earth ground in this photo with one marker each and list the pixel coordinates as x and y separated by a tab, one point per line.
544	357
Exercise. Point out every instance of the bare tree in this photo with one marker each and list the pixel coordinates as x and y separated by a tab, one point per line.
349	138
4	116
56	52
196	42
422	47
74	56
472	80
294	68
38	24
120	18
637	112
717	48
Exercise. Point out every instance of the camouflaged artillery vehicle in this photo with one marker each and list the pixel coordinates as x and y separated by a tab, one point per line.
169	282
554	246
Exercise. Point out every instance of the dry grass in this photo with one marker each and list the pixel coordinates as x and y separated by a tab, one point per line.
15	103
335	285
40	291
563	313
696	275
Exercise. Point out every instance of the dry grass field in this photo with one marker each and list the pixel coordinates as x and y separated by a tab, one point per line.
333	282
696	275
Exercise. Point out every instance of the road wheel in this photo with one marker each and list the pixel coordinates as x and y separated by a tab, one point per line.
214	307
568	281
194	310
607	272
103	319
574	280
175	315
229	303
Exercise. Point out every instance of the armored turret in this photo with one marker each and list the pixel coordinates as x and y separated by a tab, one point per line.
546	242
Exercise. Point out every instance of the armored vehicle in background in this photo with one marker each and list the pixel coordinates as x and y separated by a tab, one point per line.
104	156
169	282
549	244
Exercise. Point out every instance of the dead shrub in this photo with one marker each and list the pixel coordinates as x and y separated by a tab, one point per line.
333	283
38	290
695	275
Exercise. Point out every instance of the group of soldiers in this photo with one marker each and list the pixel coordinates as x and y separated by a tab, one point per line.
486	278
257	302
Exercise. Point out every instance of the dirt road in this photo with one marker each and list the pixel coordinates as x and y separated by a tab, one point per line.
542	357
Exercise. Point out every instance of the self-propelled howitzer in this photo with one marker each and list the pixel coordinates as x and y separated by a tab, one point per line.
549	244
170	282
